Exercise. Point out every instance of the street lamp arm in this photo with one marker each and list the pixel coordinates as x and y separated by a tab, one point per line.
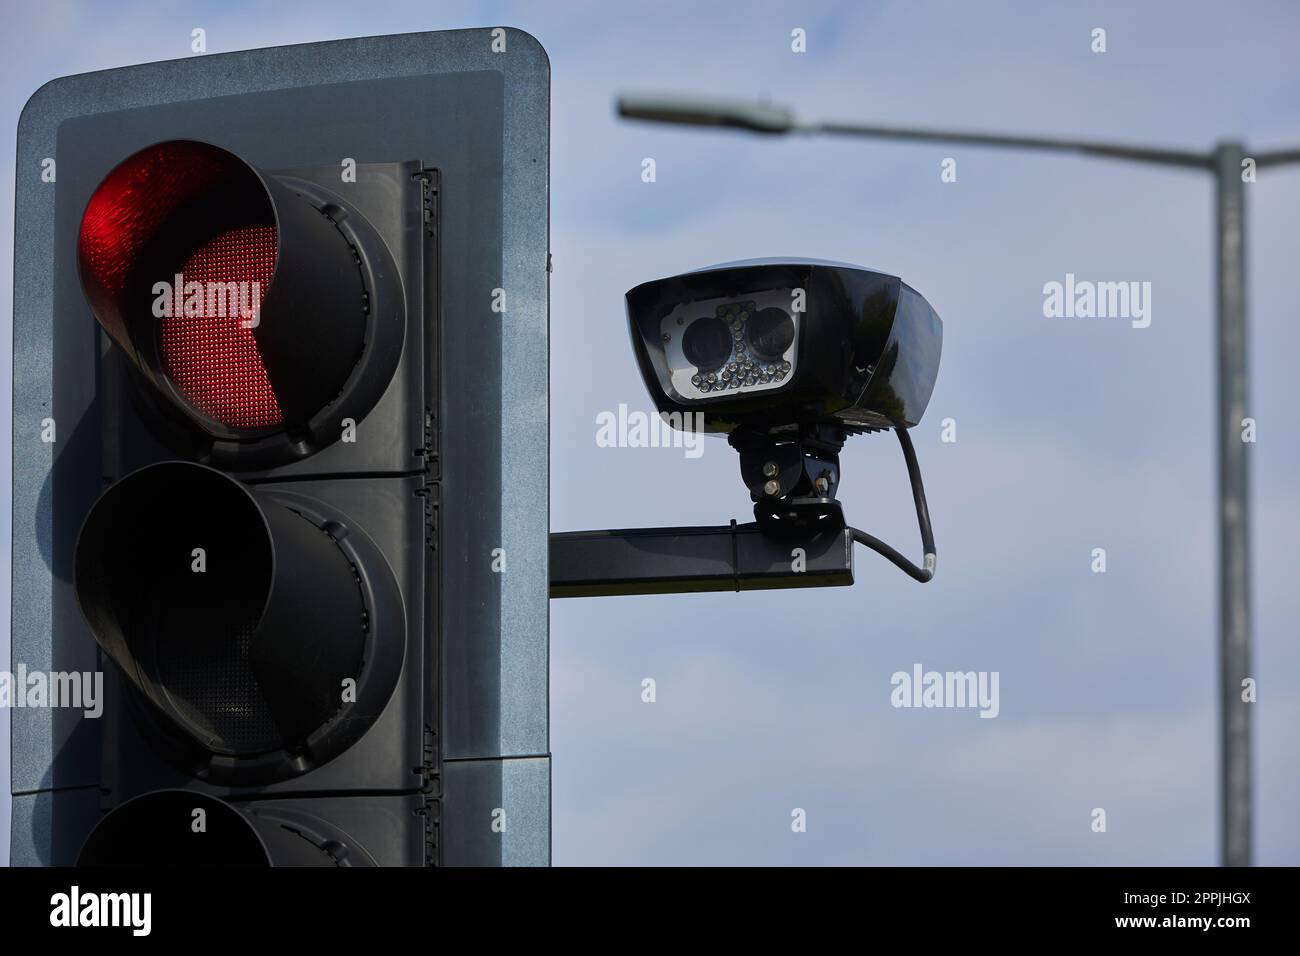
756	117
760	117
1278	157
1148	154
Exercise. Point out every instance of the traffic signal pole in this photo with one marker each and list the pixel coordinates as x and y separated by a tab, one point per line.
1232	166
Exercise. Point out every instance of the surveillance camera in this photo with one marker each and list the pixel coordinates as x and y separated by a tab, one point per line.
775	344
789	357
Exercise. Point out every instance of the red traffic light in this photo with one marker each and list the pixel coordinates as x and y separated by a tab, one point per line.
245	298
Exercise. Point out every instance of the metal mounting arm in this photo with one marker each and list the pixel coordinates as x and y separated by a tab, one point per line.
735	557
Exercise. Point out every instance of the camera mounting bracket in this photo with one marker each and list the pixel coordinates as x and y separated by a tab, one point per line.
792	476
800	539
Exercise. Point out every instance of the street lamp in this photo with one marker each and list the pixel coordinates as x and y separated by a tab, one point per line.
1226	163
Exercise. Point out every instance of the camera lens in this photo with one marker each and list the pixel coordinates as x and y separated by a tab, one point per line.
707	343
771	332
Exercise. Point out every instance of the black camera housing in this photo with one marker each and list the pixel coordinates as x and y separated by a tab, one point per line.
864	353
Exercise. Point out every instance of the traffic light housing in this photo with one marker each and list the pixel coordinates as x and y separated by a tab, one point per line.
283	316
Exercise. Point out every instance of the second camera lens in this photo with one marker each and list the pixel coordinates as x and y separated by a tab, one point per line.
771	332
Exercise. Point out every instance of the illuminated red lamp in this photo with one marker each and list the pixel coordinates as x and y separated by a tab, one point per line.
212	357
182	256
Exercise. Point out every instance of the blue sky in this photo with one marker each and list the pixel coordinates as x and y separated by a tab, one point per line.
1072	433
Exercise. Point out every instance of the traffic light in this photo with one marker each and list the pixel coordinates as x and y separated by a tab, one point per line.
280	341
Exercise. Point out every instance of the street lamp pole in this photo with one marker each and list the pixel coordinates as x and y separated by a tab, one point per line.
1234	510
1226	162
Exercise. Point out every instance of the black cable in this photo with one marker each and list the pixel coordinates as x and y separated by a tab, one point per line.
922	517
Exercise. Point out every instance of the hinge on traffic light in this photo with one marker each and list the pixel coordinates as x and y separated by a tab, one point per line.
430	494
429	194
430	450
428	768
430	795
431	811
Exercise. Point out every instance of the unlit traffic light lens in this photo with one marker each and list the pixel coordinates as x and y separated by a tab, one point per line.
158	830
235	615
